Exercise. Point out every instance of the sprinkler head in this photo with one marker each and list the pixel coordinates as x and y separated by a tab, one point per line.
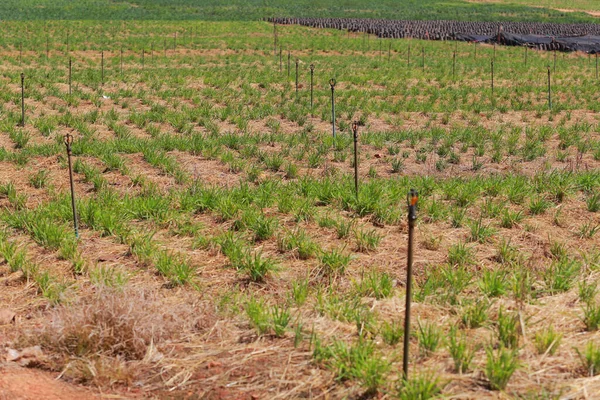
68	140
312	67
22	76
412	200
332	82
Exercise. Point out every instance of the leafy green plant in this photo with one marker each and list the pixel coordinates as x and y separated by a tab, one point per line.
39	179
508	329
300	289
423	386
358	362
429	338
493	283
461	351
367	240
376	284
475	314
257	312
547	341
257	267
460	254
591	315
590	358
280	317
334	262
500	366
392	332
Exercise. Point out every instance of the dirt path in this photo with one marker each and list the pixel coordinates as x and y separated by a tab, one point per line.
30	384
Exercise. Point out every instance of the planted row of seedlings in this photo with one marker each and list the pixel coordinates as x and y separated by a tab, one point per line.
282	243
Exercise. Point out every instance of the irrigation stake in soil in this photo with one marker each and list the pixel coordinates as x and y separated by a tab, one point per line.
297	61
355	134
453	64
312	72
22	99
492	70
413	198
68	143
70	74
102	66
549	91
332	83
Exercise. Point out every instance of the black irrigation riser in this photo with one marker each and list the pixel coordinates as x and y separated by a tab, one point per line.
453	64
492	82
70	75
22	99
332	83
549	90
102	66
297	62
68	143
274	39
413	199
355	137
312	73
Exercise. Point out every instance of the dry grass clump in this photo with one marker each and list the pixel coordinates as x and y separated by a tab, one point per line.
113	335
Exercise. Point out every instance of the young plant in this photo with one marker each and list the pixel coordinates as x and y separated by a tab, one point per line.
461	351
257	267
493	283
422	387
590	358
392	332
508	329
500	366
280	317
547	341
256	310
429	338
334	262
367	240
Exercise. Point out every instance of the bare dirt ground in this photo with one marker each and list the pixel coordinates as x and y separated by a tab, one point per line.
33	384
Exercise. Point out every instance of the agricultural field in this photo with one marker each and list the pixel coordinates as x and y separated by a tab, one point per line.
222	250
253	10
